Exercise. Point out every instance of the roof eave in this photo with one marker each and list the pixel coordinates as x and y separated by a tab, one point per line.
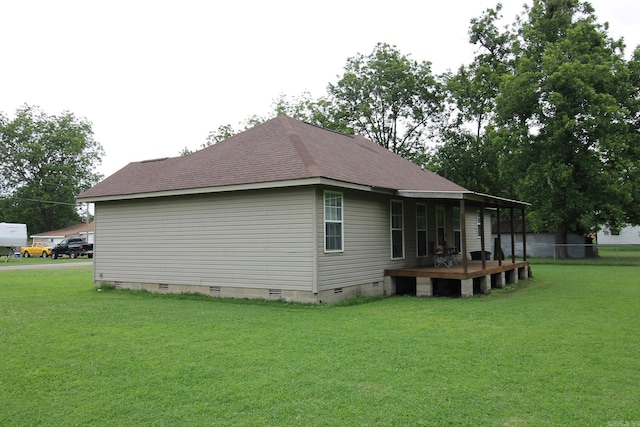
229	188
466	195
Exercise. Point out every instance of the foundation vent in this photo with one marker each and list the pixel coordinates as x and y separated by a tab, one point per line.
275	293
214	290
337	291
163	287
117	285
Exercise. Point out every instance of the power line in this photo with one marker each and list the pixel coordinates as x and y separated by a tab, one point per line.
40	201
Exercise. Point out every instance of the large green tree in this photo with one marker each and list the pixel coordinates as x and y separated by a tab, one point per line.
566	110
468	152
46	161
390	99
384	96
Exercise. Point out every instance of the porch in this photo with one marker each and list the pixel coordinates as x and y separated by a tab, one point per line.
476	277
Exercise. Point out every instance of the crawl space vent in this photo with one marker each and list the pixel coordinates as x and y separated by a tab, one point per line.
163	286
117	285
275	293
214	290
337	291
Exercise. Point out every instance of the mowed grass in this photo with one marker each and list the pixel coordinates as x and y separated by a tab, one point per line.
561	349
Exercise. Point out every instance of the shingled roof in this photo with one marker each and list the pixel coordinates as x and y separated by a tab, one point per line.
281	149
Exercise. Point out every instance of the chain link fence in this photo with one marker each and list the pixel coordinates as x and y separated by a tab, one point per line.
613	254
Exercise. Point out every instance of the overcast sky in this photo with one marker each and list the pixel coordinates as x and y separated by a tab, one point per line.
156	76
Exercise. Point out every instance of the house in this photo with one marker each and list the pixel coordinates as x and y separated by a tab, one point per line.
287	210
629	235
54	237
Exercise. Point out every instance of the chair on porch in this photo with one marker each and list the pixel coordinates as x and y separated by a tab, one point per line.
439	255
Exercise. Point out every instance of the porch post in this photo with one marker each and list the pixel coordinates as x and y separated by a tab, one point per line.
513	240
463	240
482	239
524	237
498	250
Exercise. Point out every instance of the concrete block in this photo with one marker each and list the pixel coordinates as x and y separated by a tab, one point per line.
523	273
501	280
466	288
389	285
424	287
485	284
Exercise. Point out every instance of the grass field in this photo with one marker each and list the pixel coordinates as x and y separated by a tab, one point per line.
561	349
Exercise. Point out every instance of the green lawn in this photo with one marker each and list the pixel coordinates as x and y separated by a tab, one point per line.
561	349
13	262
617	255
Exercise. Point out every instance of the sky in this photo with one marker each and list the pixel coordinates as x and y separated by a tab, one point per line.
154	77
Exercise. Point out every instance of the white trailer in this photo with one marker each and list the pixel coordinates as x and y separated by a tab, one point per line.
12	235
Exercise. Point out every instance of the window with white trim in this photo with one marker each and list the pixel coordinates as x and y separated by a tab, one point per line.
397	230
421	230
333	222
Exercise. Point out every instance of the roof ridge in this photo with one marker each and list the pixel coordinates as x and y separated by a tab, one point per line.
299	146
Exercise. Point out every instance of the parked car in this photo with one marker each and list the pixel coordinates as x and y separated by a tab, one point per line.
36	249
73	247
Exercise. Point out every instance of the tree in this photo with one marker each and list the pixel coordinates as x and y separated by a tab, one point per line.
321	112
390	99
46	161
384	96
468	155
565	106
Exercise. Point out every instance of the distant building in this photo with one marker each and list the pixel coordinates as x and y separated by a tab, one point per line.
539	245
54	237
628	235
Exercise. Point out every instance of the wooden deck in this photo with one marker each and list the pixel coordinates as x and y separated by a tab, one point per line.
454	281
474	269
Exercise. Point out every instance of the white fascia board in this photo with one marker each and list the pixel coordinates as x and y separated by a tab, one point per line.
229	188
417	194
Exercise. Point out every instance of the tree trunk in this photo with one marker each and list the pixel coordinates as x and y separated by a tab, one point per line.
562	250
589	250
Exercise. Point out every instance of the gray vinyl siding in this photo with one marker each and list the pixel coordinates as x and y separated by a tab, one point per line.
473	241
367	240
253	239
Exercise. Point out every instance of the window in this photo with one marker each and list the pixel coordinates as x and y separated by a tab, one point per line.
421	230
333	221
479	221
457	234
440	231
397	232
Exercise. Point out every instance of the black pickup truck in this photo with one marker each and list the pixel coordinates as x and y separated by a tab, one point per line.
74	247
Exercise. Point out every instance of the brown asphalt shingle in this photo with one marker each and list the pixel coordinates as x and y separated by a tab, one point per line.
277	150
